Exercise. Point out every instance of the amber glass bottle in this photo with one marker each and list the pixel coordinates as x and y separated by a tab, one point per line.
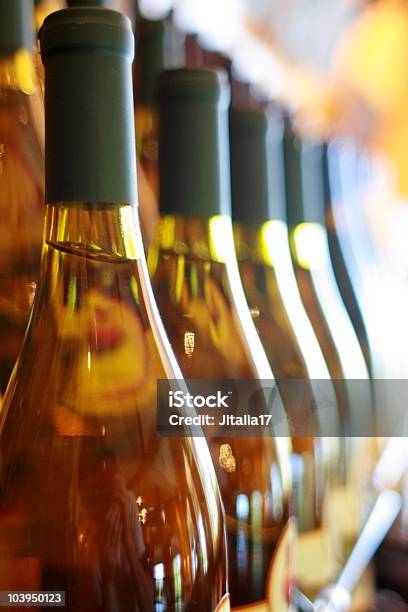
200	297
150	36
93	501
21	178
262	243
305	190
335	231
149	63
305	208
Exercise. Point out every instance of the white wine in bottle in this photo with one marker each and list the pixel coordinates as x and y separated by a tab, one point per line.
342	264
262	244
322	300
21	178
93	502
200	297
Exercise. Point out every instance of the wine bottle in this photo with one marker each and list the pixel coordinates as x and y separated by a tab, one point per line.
149	63
93	502
340	268
305	213
21	178
262	245
350	171
196	282
254	148
304	179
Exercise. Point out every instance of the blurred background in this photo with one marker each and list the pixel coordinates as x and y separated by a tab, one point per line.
340	66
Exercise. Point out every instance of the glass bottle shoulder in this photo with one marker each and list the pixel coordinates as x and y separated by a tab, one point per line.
80	426
195	295
259	273
21	201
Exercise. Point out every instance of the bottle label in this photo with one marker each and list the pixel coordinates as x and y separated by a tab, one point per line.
280	579
224	605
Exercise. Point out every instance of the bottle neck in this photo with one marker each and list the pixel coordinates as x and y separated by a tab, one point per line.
247	240
194	166
89	131
211	244
147	126
309	245
305	193
94	298
149	62
206	239
261	243
100	231
17	72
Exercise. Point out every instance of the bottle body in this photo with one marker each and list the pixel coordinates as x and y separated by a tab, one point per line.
305	208
21	201
267	306
293	351
97	502
344	283
147	137
148	64
196	299
99	516
262	245
346	363
146	120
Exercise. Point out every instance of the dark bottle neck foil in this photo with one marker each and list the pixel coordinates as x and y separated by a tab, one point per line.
257	179
89	130
193	143
16	26
150	57
304	179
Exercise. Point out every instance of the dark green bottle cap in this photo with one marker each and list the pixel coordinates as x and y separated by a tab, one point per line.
150	58
89	131
256	167
193	143
304	179
16	25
